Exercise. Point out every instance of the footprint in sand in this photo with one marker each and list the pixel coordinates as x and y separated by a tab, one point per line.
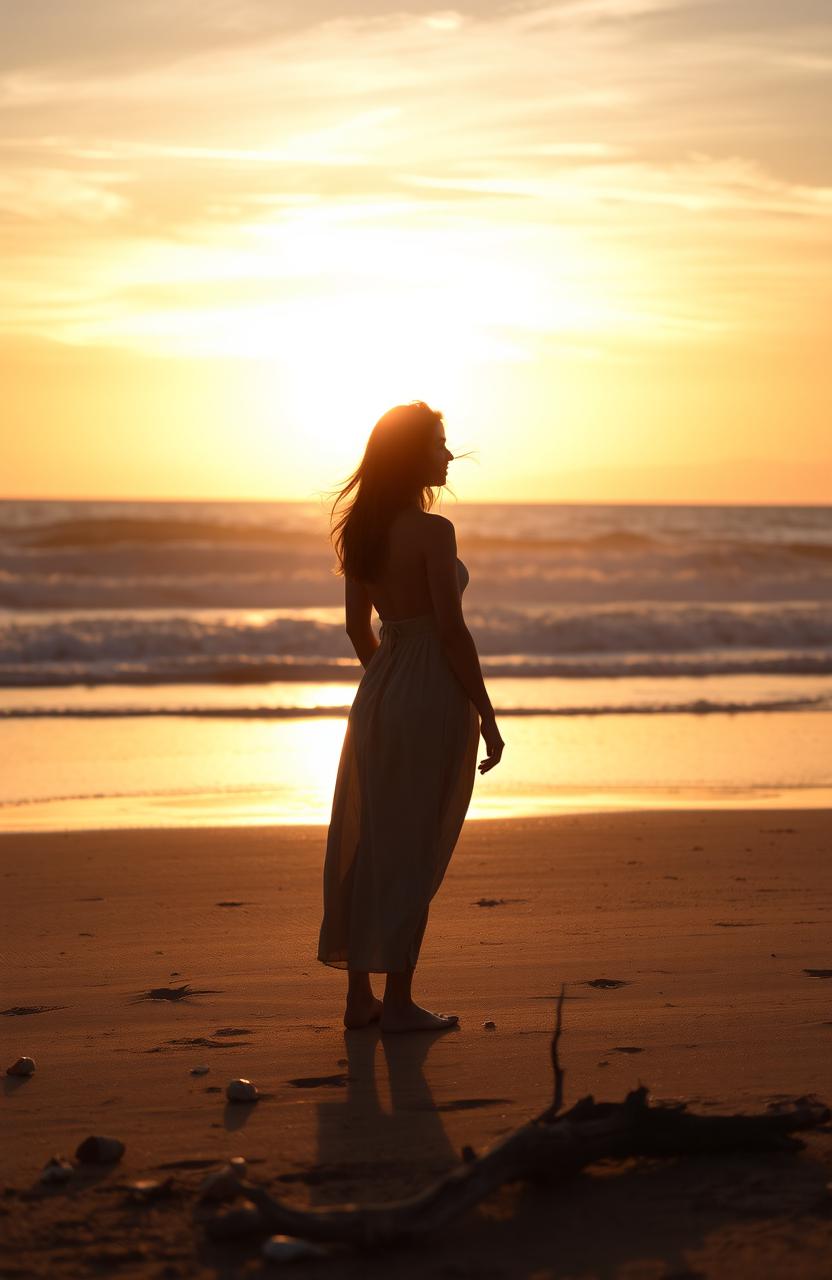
26	1010
174	993
497	902
205	1042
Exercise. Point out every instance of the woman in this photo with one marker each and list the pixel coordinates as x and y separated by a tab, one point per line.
409	756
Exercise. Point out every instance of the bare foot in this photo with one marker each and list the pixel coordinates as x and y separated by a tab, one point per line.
414	1018
361	1012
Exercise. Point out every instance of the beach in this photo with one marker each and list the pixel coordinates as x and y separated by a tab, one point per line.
705	925
655	843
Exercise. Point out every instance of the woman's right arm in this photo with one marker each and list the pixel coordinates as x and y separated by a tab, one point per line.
358	612
457	641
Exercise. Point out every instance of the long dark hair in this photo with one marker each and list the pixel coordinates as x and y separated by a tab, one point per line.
389	477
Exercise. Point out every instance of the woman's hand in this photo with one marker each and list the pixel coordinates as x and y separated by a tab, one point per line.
493	744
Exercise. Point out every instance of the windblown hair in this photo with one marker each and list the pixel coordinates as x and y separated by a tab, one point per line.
389	477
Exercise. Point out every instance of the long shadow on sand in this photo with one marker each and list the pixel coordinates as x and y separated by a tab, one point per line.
363	1141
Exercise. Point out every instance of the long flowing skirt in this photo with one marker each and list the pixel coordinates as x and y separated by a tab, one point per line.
402	790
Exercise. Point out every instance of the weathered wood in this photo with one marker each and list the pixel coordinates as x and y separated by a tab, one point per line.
548	1147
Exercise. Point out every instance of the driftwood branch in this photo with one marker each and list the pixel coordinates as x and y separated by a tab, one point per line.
549	1147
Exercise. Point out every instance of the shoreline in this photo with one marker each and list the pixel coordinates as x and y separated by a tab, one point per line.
260	807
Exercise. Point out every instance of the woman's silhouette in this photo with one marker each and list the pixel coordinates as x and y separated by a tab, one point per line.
409	756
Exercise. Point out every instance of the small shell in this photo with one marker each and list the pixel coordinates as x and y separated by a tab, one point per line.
57	1169
290	1249
489	1025
98	1150
23	1067
150	1189
200	1071
241	1091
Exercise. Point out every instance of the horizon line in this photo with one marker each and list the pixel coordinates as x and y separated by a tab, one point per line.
488	502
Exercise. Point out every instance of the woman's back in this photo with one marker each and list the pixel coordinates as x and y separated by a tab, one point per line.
401	590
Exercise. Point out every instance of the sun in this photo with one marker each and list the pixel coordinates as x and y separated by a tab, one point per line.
349	358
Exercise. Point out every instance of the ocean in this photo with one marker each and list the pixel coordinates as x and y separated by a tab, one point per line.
630	649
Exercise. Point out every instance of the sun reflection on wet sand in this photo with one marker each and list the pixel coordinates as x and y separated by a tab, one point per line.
179	771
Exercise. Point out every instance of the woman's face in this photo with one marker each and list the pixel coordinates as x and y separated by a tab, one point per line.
438	457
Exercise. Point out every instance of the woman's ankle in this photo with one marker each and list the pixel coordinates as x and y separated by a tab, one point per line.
396	1000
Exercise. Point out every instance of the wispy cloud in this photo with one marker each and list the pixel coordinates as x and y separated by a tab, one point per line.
593	161
42	193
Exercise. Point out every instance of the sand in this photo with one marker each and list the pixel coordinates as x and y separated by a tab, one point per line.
709	920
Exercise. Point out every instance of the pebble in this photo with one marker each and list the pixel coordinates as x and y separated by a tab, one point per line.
241	1091
98	1150
290	1249
57	1169
23	1067
490	1026
200	1071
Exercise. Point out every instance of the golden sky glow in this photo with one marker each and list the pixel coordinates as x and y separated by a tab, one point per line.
596	233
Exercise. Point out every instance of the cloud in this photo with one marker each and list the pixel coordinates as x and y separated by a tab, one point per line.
606	157
40	194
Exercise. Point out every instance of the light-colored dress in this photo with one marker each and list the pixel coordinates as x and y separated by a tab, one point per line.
402	790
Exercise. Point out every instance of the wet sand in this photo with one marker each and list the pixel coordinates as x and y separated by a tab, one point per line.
703	925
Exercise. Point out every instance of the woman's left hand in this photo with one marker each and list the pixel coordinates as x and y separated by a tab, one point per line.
493	744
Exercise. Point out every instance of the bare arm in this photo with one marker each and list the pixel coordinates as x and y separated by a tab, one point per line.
358	610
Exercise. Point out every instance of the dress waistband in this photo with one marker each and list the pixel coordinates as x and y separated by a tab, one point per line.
399	629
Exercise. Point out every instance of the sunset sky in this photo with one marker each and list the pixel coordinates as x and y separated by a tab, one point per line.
596	233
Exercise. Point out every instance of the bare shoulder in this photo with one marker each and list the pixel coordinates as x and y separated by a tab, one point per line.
437	530
428	535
